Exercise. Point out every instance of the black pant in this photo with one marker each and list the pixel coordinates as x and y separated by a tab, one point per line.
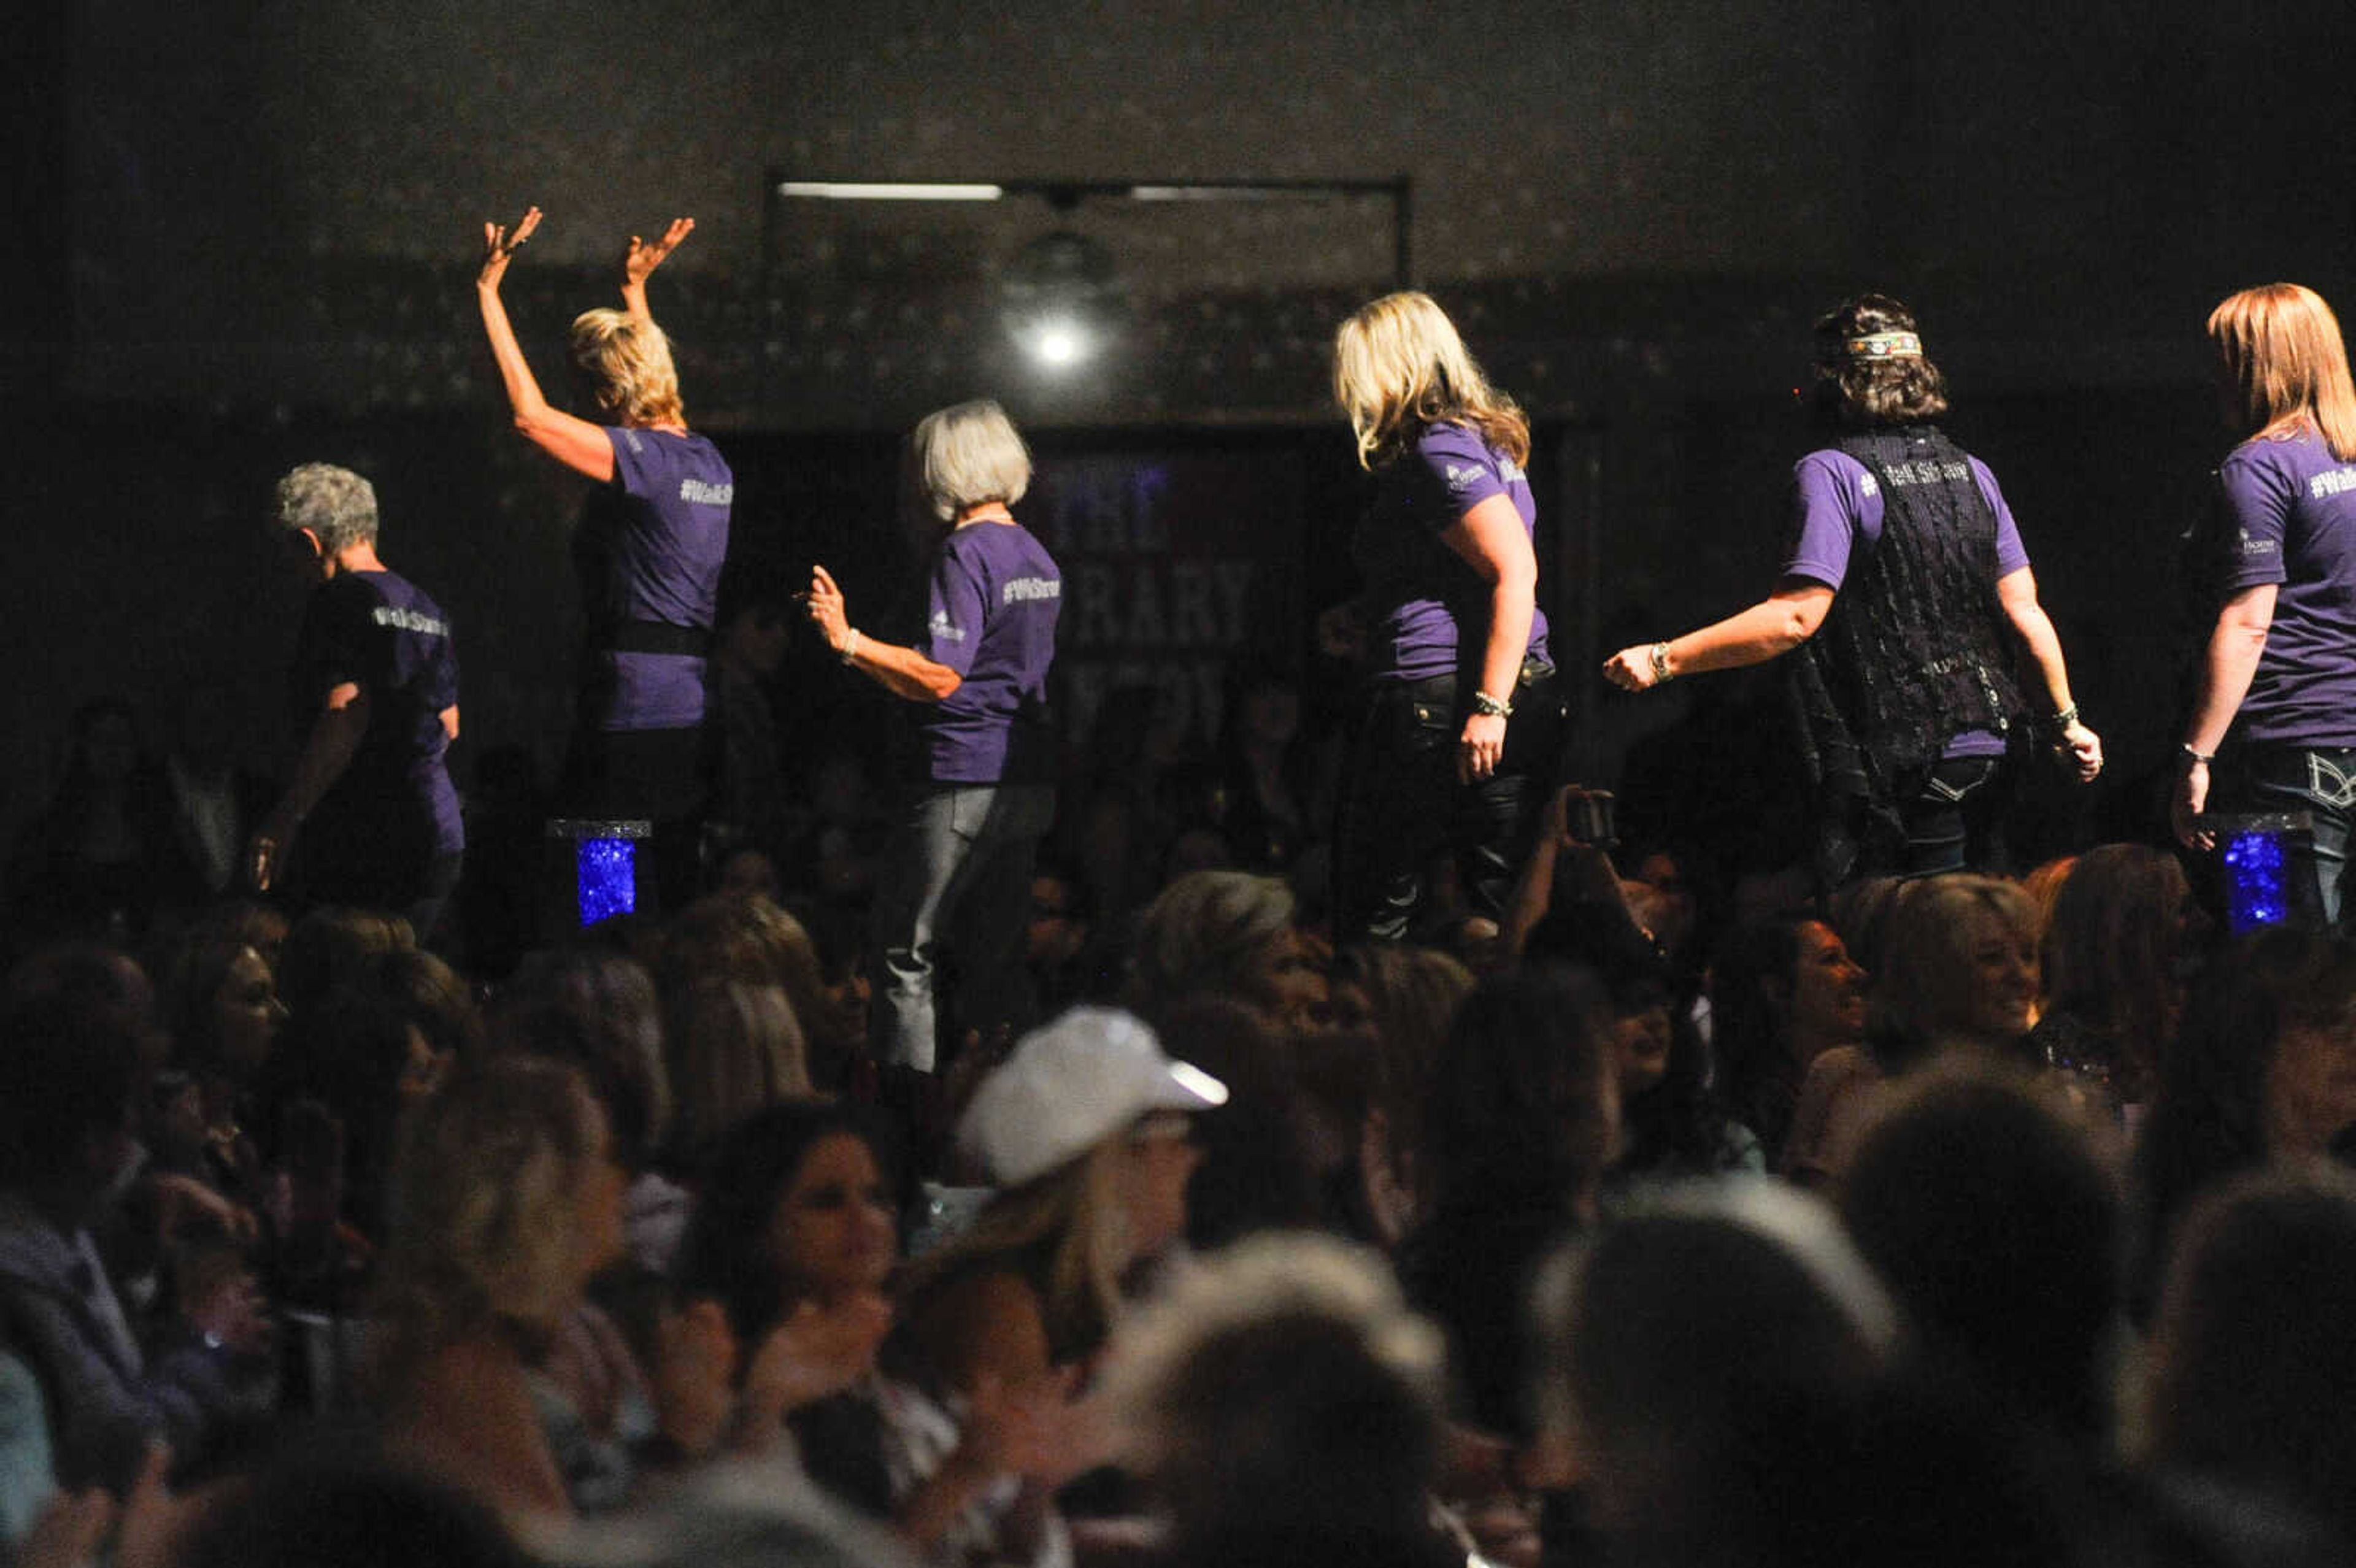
1402	806
661	776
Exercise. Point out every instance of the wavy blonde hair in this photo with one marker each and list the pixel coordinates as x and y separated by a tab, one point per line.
2282	359
1073	1220
626	361
485	1193
1399	368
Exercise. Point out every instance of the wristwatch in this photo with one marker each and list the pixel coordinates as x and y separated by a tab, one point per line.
1495	706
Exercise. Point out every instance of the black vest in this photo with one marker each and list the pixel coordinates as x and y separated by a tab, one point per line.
1913	651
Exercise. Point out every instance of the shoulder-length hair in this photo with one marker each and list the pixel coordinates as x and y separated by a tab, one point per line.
1399	368
1924	991
1856	393
2281	358
626	362
968	455
1067	1232
485	1208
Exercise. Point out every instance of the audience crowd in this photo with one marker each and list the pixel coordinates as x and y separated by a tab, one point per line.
1671	1219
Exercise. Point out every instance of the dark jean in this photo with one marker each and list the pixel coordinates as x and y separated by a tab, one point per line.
1402	806
959	868
2320	780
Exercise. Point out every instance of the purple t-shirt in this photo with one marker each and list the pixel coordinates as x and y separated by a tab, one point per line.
650	549
1837	510
378	631
2294	508
1419	590
990	614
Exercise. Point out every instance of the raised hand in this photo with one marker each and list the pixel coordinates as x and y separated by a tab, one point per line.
500	245
818	1350
641	258
828	610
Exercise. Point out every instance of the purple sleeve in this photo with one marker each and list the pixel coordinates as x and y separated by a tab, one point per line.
953	612
2011	555
1826	507
640	465
1453	471
2259	497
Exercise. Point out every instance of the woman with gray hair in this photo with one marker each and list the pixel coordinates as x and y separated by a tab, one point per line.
960	865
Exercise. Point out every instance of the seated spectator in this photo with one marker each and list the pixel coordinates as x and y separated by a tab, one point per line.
1959	969
1086	1129
102	858
507	1201
2253	1371
2263	1069
1406	999
2117	950
1258	1169
1782	991
1226	934
66	1074
330	947
1987	1210
1287	1406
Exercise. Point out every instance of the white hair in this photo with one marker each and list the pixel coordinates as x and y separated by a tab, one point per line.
969	454
335	504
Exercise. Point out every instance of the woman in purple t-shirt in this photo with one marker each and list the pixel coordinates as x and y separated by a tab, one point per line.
649	551
960	866
1456	745
2277	691
1905	557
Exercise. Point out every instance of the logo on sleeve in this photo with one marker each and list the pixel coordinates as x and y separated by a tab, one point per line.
2251	547
944	630
1462	478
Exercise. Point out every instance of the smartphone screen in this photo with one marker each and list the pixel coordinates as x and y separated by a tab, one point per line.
605	877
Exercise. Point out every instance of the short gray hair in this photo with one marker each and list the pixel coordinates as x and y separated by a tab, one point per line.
969	454
335	504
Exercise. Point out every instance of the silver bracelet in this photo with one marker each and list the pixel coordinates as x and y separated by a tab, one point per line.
2204	758
1661	671
850	646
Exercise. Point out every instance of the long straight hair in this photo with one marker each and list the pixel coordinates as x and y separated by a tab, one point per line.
1399	368
2280	354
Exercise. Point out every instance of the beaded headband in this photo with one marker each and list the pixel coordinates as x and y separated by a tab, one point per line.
1886	346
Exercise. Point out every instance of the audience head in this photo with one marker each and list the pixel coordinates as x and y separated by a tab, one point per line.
968	455
331	946
1685	1334
1526	1106
1229	933
1256	1171
1086	1129
798	1202
1871	369
221	1006
624	366
596	1010
507	1200
2254	1375
1407	997
735	1049
1959	965
69	1064
2115	949
304	1513
1287	1404
1989	1212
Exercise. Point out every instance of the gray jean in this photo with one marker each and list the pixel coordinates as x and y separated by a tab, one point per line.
957	874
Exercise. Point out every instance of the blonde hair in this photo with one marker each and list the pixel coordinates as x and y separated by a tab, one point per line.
626	362
1399	368
483	1219
1922	991
735	1049
2279	350
966	455
1070	1223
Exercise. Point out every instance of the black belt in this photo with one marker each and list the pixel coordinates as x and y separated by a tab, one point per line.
659	637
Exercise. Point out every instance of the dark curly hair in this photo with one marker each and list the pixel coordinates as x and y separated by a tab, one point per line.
1860	394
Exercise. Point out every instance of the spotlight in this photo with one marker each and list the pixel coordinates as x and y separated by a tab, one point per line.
1061	299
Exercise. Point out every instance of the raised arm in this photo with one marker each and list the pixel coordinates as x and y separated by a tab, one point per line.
641	259
576	443
1769	629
